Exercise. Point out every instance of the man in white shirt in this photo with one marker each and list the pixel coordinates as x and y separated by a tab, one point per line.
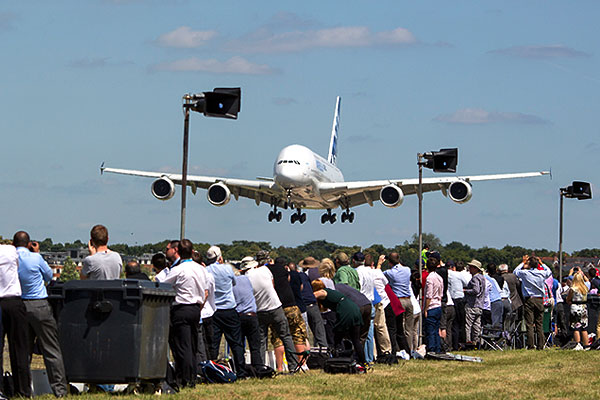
14	322
190	282
269	310
384	345
457	281
206	327
367	288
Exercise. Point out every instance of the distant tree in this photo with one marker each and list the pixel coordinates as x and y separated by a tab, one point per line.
587	253
69	272
489	255
433	241
46	245
318	249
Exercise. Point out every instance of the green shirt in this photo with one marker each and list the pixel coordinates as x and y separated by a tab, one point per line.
348	275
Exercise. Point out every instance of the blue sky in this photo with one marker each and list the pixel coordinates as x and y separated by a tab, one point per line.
514	85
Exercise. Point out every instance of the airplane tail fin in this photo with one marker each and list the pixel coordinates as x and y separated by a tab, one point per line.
332	156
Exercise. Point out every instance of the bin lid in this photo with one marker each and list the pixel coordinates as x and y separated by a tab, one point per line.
144	286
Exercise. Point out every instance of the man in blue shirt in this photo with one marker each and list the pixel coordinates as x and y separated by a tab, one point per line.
246	308
398	326
226	319
533	273
34	272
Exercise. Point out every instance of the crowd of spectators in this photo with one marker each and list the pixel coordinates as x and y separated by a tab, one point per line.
262	300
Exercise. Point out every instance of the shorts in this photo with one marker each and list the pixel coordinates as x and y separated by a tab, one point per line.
297	327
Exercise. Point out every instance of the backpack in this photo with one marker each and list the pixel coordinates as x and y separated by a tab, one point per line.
317	357
341	365
211	372
260	371
387	358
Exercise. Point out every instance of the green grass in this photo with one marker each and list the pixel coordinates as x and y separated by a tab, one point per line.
519	374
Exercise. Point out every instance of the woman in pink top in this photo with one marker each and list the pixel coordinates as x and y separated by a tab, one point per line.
434	287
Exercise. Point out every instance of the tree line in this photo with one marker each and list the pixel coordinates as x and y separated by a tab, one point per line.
320	249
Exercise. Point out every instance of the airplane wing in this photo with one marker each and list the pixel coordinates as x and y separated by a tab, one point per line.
361	192
262	190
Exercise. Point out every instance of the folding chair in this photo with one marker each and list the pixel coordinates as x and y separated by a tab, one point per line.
302	357
492	338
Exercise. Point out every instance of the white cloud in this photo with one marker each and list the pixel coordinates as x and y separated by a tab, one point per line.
478	116
349	36
545	52
235	65
185	38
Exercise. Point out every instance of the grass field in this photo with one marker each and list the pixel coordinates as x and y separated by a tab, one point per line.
518	374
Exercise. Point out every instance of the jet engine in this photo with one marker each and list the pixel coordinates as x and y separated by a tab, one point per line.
218	194
460	191
163	188
391	196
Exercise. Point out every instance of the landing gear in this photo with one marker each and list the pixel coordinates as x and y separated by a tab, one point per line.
298	216
347	216
274	215
328	216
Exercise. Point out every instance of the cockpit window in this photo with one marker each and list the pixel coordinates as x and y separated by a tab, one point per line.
288	162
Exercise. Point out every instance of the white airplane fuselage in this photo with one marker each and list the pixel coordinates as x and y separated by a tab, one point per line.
299	170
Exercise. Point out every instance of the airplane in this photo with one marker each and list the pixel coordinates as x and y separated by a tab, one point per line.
302	179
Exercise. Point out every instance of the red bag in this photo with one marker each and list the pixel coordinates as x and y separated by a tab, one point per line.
394	301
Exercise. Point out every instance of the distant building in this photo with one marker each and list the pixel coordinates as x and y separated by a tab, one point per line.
573	262
59	257
56	259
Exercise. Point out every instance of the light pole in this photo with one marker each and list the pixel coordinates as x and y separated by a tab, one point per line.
444	160
580	191
220	103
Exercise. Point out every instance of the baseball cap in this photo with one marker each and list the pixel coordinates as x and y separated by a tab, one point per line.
213	252
358	256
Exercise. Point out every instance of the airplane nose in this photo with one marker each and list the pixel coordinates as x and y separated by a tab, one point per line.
289	176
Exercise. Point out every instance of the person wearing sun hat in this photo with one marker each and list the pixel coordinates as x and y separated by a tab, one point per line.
310	265
474	298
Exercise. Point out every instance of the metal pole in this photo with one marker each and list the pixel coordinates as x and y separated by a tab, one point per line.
420	196
560	239
186	128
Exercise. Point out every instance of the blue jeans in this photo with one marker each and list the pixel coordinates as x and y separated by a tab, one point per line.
370	343
432	326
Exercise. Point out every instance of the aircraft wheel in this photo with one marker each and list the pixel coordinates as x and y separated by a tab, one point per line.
278	216
333	218
293	218
351	217
324	218
344	217
271	216
302	218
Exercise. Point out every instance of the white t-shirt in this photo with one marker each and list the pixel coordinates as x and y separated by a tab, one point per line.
209	307
103	265
189	280
365	277
379	280
9	271
264	291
